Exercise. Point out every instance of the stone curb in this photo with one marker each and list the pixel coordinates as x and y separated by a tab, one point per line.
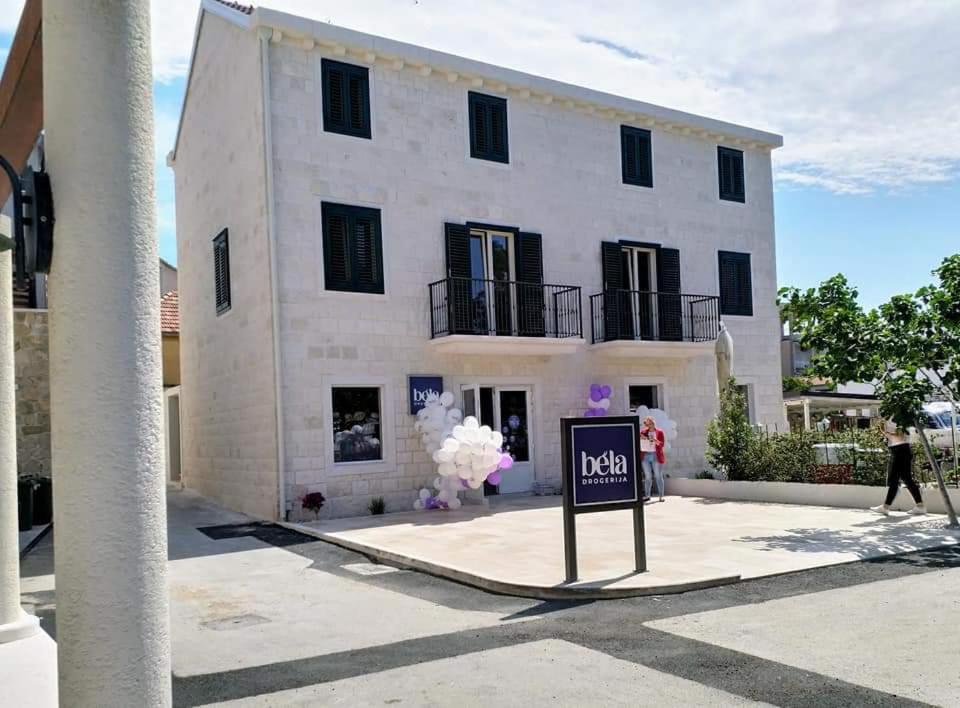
538	592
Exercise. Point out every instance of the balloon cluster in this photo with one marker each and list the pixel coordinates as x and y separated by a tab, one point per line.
598	401
662	421
466	455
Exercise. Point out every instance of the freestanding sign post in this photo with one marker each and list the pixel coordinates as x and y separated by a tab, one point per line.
601	472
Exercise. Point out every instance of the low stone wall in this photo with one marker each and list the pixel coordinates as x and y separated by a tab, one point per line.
32	364
851	496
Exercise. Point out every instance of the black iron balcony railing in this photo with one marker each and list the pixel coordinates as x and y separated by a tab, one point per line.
504	308
661	317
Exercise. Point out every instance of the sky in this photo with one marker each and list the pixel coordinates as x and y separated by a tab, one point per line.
865	93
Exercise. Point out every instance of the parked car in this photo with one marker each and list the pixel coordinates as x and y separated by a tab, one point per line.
938	429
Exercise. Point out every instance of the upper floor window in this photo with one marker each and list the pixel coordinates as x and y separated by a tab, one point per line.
488	127
221	271
352	248
736	284
730	171
346	98
636	156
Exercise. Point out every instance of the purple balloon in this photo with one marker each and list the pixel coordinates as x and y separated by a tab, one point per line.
606	391
594	388
494	478
506	462
596	395
465	484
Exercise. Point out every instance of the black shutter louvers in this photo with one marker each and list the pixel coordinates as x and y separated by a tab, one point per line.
636	156
736	284
346	98
488	127
730	174
352	248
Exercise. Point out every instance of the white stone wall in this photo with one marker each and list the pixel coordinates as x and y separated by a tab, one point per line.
227	396
563	181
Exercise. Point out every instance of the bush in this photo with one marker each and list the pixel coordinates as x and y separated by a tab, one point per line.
730	435
377	506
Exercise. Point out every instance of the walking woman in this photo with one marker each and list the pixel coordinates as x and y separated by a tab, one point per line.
899	468
653	459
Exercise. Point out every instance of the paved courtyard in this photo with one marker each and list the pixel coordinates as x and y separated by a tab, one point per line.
264	616
515	546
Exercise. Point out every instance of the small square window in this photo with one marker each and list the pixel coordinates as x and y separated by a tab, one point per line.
346	98
645	395
730	171
352	248
488	127
636	156
356	424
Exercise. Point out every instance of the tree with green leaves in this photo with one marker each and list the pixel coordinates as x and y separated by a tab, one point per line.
909	347
730	434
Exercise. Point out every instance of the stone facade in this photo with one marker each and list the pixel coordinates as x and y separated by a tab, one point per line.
563	181
32	363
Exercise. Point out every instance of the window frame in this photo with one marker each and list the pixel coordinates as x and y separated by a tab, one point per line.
644	135
331	440
728	309
350	71
658	382
351	285
726	194
474	99
387	461
221	242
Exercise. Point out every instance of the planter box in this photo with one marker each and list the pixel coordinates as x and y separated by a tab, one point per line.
850	496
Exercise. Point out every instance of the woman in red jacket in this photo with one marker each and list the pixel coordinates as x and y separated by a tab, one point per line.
652	457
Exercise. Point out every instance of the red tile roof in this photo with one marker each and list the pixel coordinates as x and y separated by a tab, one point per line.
170	313
245	9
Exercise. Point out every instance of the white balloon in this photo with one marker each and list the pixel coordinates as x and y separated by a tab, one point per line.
592	403
471	423
455	503
424	494
496	439
475	483
418	505
485	433
464	471
460	432
443	495
604	403
451	444
438	482
446	399
455	414
445	469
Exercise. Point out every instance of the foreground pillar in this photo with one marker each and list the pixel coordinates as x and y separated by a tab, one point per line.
14	622
105	364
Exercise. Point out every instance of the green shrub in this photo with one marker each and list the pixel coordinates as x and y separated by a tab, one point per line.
377	506
730	435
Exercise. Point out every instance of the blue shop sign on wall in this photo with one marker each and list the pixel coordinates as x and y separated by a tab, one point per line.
604	463
421	387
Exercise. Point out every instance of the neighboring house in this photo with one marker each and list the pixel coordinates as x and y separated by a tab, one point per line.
168	277
170	331
353	211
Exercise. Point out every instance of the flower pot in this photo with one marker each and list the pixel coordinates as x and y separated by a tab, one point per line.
25	504
43	502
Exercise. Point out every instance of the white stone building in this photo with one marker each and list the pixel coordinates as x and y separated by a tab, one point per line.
353	211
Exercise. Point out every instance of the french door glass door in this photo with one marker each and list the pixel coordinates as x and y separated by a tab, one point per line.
640	309
492	269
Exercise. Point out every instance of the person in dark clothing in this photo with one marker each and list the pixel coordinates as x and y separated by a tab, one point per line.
899	468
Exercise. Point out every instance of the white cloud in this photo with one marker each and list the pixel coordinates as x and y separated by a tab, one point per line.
864	91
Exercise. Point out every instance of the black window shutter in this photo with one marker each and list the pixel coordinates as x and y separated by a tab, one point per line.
352	248
615	299
488	127
531	305
460	288
736	284
636	156
730	174
221	271
346	98
336	248
669	305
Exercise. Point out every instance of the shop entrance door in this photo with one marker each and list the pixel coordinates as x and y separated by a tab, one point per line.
507	409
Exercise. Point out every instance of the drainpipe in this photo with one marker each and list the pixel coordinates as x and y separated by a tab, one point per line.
14	622
110	543
265	34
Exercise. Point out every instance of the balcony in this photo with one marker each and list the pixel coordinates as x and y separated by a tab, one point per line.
631	323
475	316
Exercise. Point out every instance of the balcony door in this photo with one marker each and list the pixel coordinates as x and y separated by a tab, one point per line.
639	267
493	270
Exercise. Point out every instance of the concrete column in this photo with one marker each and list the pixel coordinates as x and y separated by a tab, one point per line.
14	622
806	414
105	360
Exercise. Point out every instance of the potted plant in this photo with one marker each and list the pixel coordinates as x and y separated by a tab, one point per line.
313	502
25	488
377	506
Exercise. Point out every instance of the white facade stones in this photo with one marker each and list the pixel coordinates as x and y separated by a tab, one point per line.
563	181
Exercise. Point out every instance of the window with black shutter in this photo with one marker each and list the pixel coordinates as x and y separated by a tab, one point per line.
346	98
488	127
636	156
736	284
352	248
730	171
221	271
